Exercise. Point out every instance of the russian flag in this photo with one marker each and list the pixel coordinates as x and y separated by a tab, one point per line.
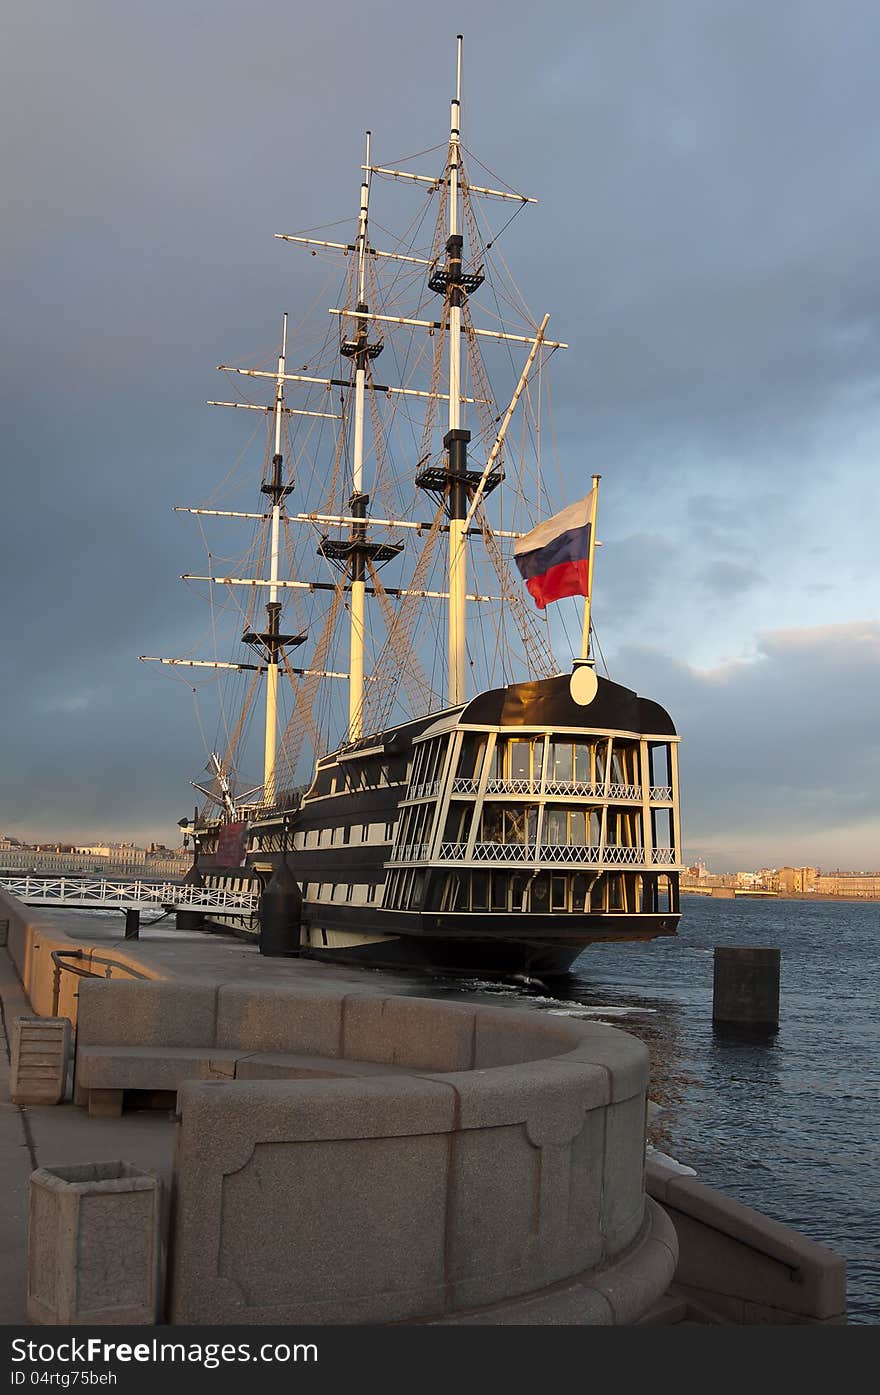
554	558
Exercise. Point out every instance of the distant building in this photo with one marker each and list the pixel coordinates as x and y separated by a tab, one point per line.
862	885
747	881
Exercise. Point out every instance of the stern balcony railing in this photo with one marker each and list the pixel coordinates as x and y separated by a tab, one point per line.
570	854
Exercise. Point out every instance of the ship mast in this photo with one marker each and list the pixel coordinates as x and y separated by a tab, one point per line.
453	480
456	440
354	553
273	607
358	498
270	643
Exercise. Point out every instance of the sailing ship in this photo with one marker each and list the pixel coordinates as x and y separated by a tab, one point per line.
470	803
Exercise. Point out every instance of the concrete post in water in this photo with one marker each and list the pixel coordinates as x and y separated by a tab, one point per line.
132	923
746	987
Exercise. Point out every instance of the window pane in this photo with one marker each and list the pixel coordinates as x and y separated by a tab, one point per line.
499	891
520	760
582	762
517	891
577	827
479	891
541	894
554	826
660	765
515	822
454	898
471	757
562	761
559	898
496	764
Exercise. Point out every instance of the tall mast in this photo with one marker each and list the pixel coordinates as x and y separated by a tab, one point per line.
273	607
271	642
359	499
453	481
456	440
353	553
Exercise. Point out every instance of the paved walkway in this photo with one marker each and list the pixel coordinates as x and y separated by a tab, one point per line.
34	1136
38	1136
204	957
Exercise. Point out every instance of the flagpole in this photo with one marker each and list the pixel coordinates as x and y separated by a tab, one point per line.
585	638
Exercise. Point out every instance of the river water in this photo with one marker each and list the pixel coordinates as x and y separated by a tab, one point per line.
789	1124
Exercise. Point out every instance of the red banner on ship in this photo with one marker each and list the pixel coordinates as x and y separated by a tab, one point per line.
231	844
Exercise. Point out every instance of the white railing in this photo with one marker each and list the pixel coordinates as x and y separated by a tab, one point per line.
576	787
513	787
579	854
426	791
624	791
553	789
411	852
504	852
556	788
100	893
585	853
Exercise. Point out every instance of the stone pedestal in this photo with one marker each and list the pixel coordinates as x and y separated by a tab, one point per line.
94	1245
40	1053
746	987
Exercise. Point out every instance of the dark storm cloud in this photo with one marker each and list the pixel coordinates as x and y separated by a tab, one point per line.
780	755
706	239
729	578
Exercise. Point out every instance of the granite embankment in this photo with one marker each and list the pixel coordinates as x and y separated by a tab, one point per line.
516	1147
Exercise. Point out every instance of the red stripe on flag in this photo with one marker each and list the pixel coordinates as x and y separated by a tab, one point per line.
566	579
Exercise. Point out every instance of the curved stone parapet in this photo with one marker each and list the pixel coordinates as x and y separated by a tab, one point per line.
477	1165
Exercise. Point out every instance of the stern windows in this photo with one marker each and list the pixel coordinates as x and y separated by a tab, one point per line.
500	891
520	760
540	897
427	767
559	893
479	891
517	824
580	893
615	893
457	823
661	773
470	760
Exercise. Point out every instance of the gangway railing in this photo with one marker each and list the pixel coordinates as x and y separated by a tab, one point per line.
100	893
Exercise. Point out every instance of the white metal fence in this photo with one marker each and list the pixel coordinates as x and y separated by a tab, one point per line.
99	893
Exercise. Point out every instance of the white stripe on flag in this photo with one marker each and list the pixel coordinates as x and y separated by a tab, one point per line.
574	516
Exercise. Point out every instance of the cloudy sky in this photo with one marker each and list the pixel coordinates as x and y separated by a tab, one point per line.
706	239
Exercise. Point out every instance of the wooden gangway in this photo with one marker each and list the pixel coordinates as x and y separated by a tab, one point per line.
102	894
